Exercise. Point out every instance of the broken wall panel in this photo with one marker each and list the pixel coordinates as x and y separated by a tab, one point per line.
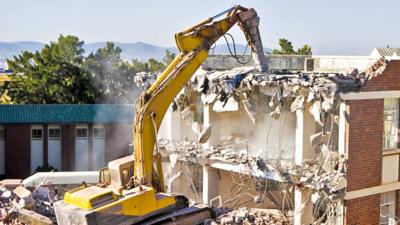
269	139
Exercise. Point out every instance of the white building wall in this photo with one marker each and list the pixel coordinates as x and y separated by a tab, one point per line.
54	147
36	148
81	150
99	148
268	138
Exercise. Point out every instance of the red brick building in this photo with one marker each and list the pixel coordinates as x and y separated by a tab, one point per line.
67	137
372	149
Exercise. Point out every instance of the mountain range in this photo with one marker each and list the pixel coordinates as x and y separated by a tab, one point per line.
137	50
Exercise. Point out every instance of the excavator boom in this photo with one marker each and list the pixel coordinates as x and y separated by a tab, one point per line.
193	44
130	190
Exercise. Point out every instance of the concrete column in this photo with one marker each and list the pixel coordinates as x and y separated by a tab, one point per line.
303	207
342	129
210	183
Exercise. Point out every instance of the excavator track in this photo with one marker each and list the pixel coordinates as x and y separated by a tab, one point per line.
180	213
187	216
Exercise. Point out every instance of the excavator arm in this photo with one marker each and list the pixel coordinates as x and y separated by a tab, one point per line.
193	44
126	198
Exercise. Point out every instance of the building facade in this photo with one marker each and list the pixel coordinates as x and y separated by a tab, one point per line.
65	137
321	145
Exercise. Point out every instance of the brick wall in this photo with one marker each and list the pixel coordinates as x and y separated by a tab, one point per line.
363	211
364	140
365	129
18	151
67	147
387	81
364	133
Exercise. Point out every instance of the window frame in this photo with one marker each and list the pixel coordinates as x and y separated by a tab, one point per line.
35	136
390	139
388	199
78	129
95	135
50	136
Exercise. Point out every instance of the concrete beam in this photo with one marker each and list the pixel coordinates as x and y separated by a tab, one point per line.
372	191
90	177
370	95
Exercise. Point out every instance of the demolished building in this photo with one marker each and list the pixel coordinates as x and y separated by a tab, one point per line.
304	138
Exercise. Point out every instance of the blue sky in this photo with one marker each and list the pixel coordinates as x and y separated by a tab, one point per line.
330	27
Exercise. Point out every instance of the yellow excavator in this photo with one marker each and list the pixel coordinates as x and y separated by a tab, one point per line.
131	189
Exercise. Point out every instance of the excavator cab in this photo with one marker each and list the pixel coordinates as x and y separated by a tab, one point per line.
118	174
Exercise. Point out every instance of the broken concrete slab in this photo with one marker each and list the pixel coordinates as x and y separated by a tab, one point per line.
31	217
10	184
22	192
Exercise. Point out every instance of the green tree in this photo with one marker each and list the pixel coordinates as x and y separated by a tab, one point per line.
155	65
52	75
112	77
305	50
139	66
286	48
168	57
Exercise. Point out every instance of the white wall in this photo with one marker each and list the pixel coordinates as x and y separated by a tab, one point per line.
99	149
340	63
36	149
268	139
81	150
173	127
54	148
390	168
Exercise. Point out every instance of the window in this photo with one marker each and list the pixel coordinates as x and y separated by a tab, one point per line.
391	116
388	208
126	177
54	133
98	132
37	133
81	132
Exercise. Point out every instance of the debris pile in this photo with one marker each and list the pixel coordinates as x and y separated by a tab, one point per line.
144	80
191	150
252	216
7	209
28	205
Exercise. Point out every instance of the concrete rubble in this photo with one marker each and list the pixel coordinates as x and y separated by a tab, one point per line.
253	216
228	90
28	205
